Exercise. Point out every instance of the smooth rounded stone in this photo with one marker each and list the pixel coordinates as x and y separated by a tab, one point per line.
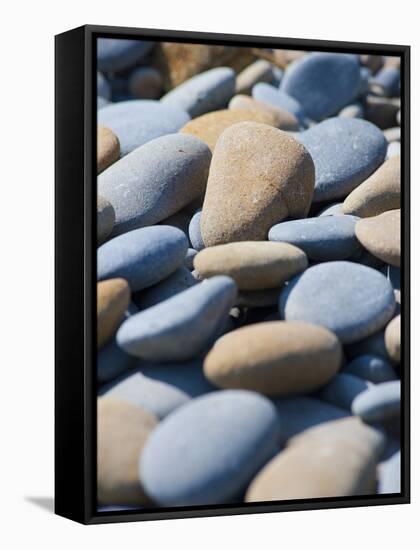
194	231
258	298
108	148
273	96
189	258
156	180
142	257
394	149
105	219
381	111
274	358
334	459
381	236
263	175
353	110
393	134
378	193
154	396
390	475
393	339
334	209
372	368
216	443
378	403
117	54
260	70
282	119
135	122
343	390
145	83
322	238
345	152
374	345
112	362
210	126
122	431
103	87
113	297
203	92
386	82
351	300
252	265
179	280
181	327
323	83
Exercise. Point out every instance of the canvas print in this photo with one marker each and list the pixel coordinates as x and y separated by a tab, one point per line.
248	275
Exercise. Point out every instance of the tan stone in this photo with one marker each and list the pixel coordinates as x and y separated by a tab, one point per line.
379	193
282	119
281	58
393	339
333	459
122	431
259	71
259	175
108	148
105	219
274	358
381	236
113	297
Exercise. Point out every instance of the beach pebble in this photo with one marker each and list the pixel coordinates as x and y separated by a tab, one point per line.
103	87
112	362
378	403
282	119
217	444
345	152
181	327
113	297
179	280
135	122
390	475
118	54
105	218
353	110
373	368
343	389
156	180
378	193
273	96
263	175
122	431
252	265
194	231
386	82
322	238
394	149
145	83
108	148
382	111
274	358
260	70
143	257
381	236
393	339
334	209
393	134
351	300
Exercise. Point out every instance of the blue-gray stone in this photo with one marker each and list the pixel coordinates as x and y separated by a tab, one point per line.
345	152
351	300
189	258
179	280
343	390
353	110
390	475
373	368
365	76
332	210
143	257
323	83
117	54
101	102
209	450
322	238
155	181
194	232
112	362
102	86
394	149
183	326
203	92
270	94
380	402
138	121
386	82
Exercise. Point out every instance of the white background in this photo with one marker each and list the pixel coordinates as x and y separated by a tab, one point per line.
26	218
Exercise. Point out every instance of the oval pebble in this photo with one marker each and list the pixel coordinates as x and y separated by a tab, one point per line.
381	236
217	443
373	368
334	209
105	219
108	148
379	402
194	231
179	280
393	339
117	54
273	96
260	70
113	297
282	119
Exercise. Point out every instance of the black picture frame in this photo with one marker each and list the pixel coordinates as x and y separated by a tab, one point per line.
75	273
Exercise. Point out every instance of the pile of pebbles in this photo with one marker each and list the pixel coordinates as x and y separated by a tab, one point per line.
248	271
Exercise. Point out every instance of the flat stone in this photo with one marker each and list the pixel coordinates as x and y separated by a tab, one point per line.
181	327
203	92
179	280
373	368
390	476
381	236
378	193
105	219
260	70
305	469
102	86
117	54
273	96
322	238
351	300
122	432
135	122
207	451
274	358
108	148
345	152
263	175
393	339
143	257
113	297
145	83
155	181
379	403
282	119
343	390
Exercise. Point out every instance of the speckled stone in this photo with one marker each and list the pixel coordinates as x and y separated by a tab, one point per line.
145	83
373	368
156	180
322	238
136	122
260	70
378	403
274	358
122	432
143	257
390	475
113	297
393	339
203	92
179	280
381	236
252	265
181	327
108	150
103	87
282	119
217	444
352	300
379	193
273	96
263	175
117	54
343	390
345	152
334	209
105	218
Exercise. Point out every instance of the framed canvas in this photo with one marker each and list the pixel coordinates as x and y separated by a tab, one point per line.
232	274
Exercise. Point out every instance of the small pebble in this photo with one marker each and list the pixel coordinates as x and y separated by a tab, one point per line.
113	297
189	258
334	209
381	236
277	98
379	402
282	118
259	71
343	390
393	339
372	368
108	148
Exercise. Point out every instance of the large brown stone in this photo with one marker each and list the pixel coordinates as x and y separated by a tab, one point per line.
282	119
393	339
108	148
381	236
113	297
